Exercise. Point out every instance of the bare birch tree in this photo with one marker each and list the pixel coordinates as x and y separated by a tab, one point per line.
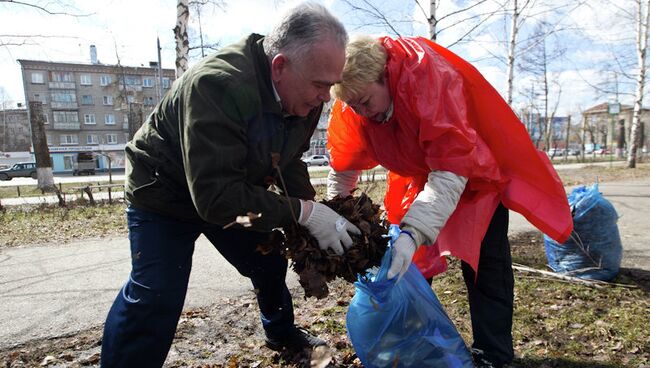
536	62
181	31
384	14
515	24
180	35
526	11
643	17
199	7
434	18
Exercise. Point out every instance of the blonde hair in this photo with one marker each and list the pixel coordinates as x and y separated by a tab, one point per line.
365	61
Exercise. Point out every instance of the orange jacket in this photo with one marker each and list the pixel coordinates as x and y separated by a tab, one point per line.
448	117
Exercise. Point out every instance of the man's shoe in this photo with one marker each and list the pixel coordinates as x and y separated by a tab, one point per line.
295	339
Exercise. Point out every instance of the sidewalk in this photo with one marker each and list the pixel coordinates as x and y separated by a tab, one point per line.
115	194
51	291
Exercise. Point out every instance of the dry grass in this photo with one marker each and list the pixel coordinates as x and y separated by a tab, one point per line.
49	224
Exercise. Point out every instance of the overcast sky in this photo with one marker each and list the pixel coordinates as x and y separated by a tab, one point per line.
128	29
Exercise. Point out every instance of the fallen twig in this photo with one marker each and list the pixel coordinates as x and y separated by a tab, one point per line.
591	283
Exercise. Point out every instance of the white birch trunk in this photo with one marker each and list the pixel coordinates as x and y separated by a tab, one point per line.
514	29
180	34
432	20
641	47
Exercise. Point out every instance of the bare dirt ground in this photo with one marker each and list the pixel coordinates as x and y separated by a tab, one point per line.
557	324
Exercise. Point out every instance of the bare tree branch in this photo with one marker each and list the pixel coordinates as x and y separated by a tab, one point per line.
44	9
471	30
374	12
475	4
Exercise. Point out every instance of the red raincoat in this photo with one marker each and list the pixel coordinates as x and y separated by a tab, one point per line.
448	117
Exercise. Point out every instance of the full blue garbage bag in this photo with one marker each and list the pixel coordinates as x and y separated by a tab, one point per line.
402	324
594	249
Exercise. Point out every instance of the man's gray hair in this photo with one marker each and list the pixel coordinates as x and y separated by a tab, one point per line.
301	28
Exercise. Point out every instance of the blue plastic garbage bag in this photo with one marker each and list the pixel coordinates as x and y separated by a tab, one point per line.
594	249
402	324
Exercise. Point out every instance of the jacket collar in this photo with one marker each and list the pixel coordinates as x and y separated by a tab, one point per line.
267	93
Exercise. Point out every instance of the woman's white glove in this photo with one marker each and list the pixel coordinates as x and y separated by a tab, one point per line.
403	250
327	226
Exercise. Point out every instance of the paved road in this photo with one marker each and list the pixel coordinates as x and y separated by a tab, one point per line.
117	177
48	291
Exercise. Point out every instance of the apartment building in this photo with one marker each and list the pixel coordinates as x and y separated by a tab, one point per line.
92	106
14	131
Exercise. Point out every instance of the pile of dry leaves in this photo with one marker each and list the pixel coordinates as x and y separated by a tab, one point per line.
317	267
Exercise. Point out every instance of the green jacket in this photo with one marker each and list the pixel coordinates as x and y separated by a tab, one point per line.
205	151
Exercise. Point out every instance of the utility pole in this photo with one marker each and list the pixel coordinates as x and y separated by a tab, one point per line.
566	139
160	73
4	126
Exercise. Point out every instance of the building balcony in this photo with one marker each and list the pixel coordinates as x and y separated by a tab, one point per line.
130	87
64	105
67	126
62	85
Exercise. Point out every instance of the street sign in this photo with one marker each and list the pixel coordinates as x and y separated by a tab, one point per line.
614	108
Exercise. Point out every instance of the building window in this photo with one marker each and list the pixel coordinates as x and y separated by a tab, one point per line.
68	162
87	100
147	82
111	138
165	82
130	99
109	119
45	119
64	96
48	137
85	80
108	100
37	78
68	139
131	80
92	139
65	117
62	77
89	118
126	118
148	101
39	97
105	80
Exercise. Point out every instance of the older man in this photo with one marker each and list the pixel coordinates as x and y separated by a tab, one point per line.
226	130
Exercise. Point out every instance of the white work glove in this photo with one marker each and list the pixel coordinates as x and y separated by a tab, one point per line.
327	226
403	250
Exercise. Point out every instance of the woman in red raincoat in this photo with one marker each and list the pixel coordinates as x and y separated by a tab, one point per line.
458	159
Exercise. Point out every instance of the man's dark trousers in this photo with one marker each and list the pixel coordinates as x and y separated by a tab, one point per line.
141	324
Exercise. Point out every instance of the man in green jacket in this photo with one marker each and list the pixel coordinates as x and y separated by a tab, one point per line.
233	124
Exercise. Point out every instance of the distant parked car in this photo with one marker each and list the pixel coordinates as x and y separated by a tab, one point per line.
602	151
316	160
21	169
573	152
